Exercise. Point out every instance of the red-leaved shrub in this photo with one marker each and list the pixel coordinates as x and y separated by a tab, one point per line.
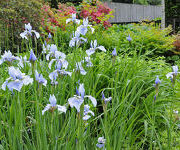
53	18
97	13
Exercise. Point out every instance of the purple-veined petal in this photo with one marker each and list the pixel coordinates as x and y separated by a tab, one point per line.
101	140
90	51
53	48
68	20
175	69
17	85
100	145
83	30
27	80
86	117
114	53
61	108
81	90
36	34
53	76
101	48
51	62
59	54
28	27
170	74
32	56
75	102
72	43
93	100
23	35
52	100
95	43
4	85
48	106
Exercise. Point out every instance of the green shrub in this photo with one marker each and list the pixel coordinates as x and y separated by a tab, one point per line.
146	38
13	15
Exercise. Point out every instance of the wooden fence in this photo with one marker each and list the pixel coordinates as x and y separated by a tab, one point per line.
133	12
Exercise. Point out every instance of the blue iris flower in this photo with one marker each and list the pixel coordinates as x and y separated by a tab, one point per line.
8	57
157	81
52	106
84	27
53	52
105	99
49	36
40	79
80	68
101	142
32	57
77	100
174	73
87	111
129	38
73	19
93	48
16	80
28	31
114	53
53	76
76	39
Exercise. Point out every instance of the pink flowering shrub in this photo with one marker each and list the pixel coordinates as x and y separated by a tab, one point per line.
99	13
53	18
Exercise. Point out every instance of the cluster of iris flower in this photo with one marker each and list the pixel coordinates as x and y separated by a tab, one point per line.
17	79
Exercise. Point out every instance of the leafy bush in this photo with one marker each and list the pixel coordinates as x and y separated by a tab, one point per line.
13	15
145	38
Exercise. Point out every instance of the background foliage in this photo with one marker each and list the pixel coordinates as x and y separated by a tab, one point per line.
13	15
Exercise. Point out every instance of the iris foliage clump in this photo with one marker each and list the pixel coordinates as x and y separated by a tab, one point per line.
88	97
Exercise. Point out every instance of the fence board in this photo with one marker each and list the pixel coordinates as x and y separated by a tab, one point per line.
133	12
